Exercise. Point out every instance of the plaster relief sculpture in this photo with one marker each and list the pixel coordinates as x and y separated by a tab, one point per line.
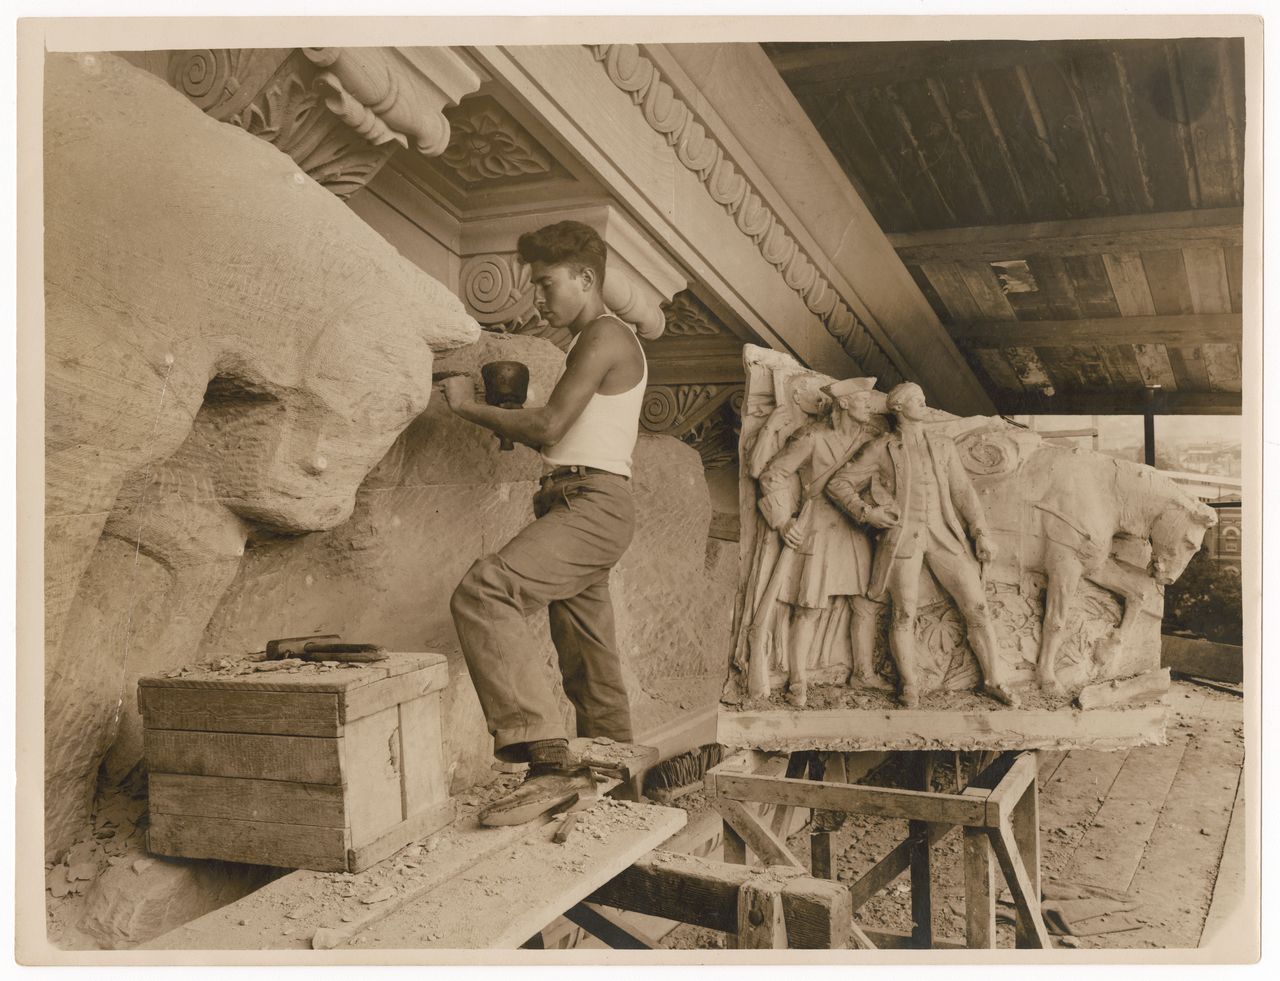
914	579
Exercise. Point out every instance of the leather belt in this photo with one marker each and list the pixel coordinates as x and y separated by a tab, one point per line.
560	473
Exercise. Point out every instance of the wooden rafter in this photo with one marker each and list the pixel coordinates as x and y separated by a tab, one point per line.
1180	331
1208	228
1120	403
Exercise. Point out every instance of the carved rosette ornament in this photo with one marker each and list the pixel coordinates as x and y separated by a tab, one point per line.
667	114
340	113
488	144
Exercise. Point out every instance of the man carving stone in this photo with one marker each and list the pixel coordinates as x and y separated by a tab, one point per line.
584	521
833	555
919	493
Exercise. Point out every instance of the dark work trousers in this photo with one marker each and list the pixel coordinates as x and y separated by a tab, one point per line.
561	561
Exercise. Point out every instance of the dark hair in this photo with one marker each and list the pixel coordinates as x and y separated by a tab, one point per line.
569	242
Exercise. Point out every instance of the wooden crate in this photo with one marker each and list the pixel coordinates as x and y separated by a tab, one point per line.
327	770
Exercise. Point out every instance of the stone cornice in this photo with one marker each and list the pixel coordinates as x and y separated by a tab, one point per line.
667	114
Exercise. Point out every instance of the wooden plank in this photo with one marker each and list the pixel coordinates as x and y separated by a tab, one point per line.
343	679
983	286
1100	78
1128	276
514	892
922	109
425	822
968	110
1154	366
761	923
1024	822
1025	892
921	884
1207	280
819	917
891	132
1233	257
768	846
1121	403
954	291
1076	161
1069	801
275	801
1211	102
851	798
255	842
1179	330
890	867
893	940
979	889
693	890
1188	368
306	759
1230	885
851	138
421	754
1150	93
998	369
1205	228
610	928
1028	367
1121	363
1203	658
211	710
371	764
1145	687
1015	120
1222	365
847	730
1056	299
1174	882
381	695
1112	848
1093	288
1167	280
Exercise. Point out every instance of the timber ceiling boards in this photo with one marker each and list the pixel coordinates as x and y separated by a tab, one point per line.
1039	190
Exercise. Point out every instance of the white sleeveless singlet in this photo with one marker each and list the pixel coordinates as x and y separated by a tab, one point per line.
604	436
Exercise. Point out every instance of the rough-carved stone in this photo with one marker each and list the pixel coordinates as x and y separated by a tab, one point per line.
487	144
340	113
227	357
1082	545
442	497
669	115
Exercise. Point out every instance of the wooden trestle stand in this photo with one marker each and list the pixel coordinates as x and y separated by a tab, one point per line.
997	812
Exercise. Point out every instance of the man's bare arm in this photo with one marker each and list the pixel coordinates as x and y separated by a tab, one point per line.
600	348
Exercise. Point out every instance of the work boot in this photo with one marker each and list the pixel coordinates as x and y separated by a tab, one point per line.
544	789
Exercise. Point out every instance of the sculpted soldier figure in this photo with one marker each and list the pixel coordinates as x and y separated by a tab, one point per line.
833	556
912	485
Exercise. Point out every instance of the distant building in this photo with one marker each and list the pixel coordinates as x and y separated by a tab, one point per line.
1222	542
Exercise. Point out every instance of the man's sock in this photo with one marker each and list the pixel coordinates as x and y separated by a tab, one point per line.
547	755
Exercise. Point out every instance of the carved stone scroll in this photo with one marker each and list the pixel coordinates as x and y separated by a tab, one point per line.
340	113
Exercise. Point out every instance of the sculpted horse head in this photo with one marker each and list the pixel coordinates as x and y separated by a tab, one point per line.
1157	509
1176	535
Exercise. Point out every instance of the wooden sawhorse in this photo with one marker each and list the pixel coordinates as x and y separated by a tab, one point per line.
998	811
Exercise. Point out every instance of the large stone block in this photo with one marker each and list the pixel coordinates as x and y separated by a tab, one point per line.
445	495
229	352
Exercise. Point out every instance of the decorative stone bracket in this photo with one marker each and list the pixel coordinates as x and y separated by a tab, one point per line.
495	284
340	113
